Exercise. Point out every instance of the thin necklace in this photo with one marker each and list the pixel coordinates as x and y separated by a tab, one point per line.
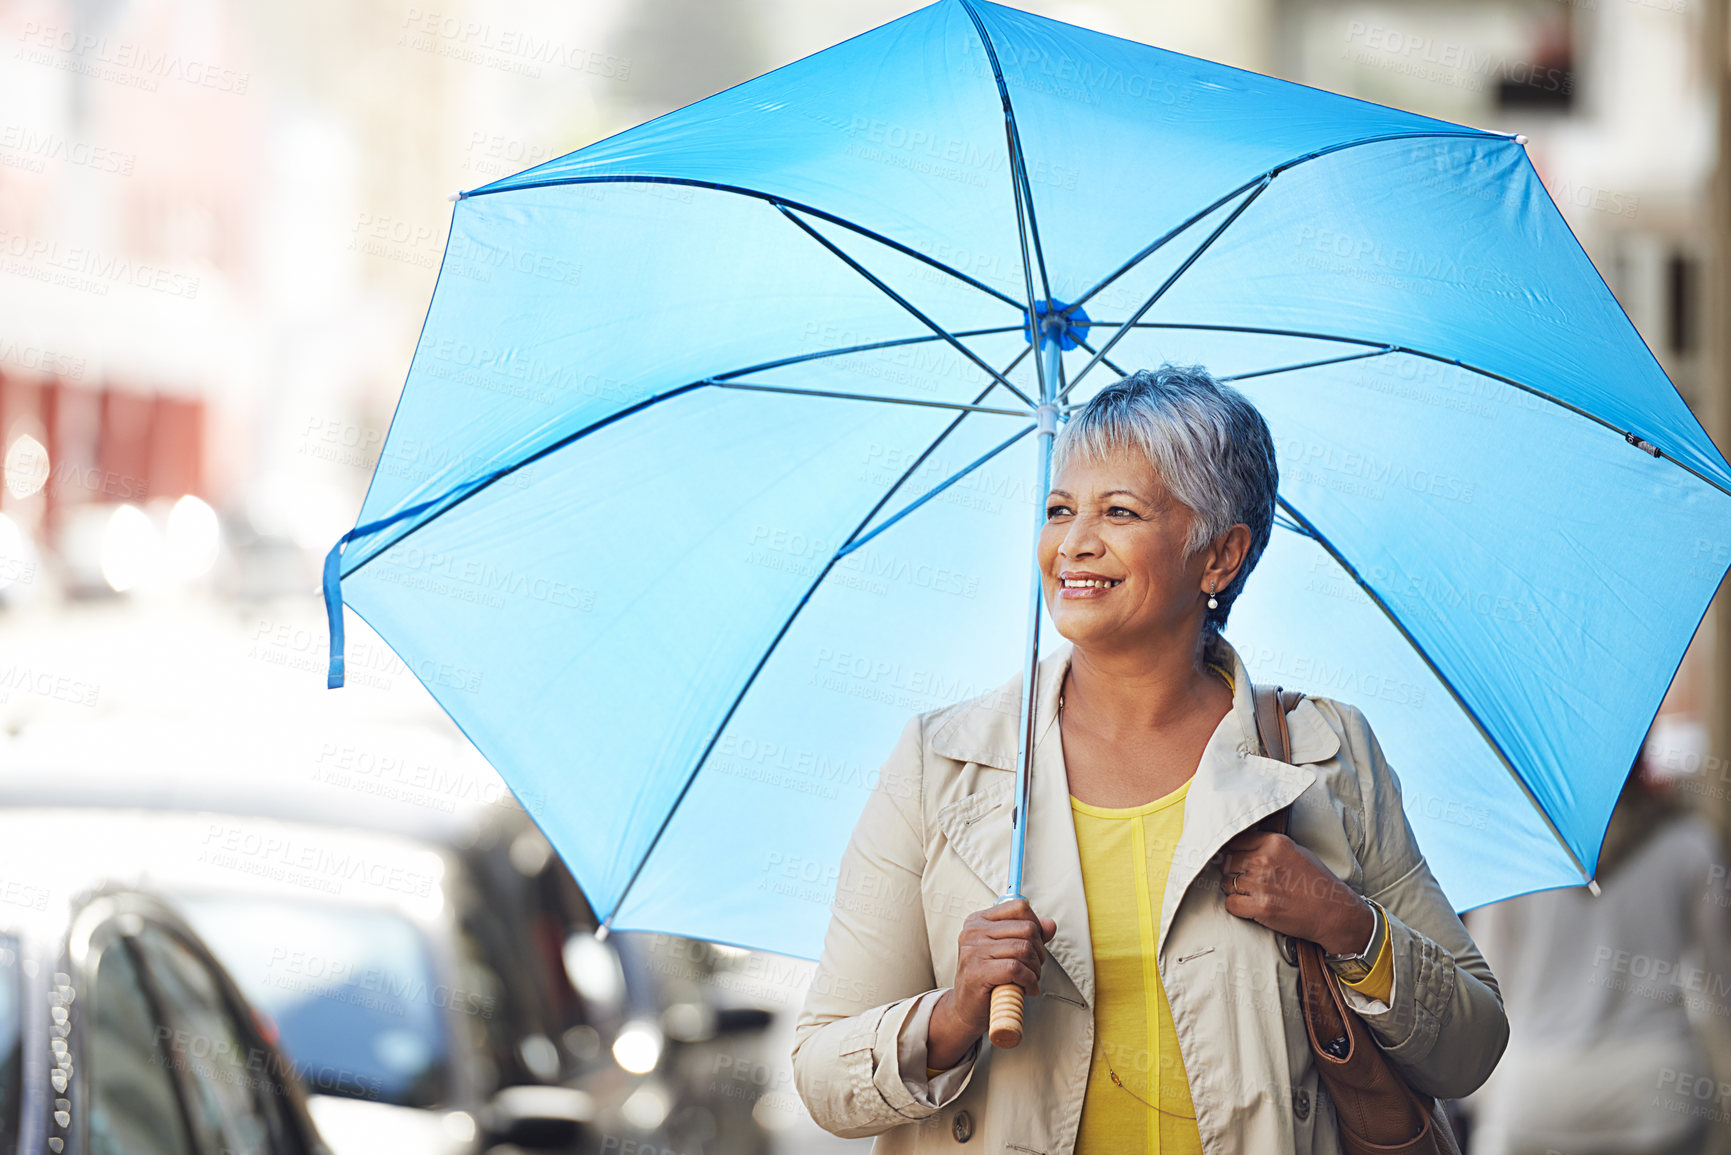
1138	1098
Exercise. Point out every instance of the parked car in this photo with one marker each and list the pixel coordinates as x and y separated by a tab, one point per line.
359	950
120	1034
383	898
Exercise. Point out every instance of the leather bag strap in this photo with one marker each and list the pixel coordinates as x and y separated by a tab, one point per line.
1273	704
1376	1110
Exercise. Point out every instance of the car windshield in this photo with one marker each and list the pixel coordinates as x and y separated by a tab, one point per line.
352	993
11	1050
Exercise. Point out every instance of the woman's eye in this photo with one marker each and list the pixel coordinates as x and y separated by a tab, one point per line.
1118	509
1056	510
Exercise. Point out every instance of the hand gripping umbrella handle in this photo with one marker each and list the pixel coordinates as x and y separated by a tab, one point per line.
1006	1028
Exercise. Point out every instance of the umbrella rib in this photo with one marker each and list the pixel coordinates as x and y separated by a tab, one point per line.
1382	352
786	625
912	309
1166	284
1257	329
468	489
1018	170
1106	361
1383	347
1311	531
771	198
1160	242
1275	171
870	347
854	543
756	388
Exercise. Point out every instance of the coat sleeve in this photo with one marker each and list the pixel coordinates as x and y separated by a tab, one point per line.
876	965
1443	1025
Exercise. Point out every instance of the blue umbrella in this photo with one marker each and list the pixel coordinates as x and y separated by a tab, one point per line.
723	445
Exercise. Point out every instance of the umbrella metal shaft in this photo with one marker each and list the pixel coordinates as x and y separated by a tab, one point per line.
1050	348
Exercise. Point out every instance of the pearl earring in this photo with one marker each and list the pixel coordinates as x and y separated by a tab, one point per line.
1213	602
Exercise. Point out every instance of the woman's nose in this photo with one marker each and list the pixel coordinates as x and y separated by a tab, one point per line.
1080	541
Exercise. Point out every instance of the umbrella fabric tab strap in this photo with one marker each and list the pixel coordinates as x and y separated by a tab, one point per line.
333	581
334	610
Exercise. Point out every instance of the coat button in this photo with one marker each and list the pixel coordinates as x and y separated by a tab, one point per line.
1301	1104
962	1126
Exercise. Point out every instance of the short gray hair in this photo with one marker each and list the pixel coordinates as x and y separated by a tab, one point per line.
1205	440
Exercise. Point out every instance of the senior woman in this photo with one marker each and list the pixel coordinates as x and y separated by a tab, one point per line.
1162	1014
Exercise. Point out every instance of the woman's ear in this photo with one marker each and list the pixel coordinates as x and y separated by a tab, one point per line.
1227	554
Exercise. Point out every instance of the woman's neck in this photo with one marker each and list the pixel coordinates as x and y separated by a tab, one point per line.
1144	689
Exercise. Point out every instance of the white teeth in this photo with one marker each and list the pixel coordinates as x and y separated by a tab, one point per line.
1089	583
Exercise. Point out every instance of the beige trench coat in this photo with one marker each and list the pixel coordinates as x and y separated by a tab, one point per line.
932	846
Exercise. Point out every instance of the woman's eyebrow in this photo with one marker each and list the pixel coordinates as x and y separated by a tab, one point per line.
1108	493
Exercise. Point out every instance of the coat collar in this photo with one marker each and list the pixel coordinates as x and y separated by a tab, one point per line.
983	729
1234	788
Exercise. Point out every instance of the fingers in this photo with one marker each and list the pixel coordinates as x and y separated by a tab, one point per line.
1241	884
1021	947
1013	918
1251	839
986	963
1252	852
1019	969
1010	909
1243	906
1002	945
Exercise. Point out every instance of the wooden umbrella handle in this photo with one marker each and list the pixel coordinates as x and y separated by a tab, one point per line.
1006	1028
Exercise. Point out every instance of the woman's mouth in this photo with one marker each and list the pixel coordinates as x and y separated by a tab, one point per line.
1072	588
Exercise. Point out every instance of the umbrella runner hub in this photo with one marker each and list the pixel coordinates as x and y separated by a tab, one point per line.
1066	324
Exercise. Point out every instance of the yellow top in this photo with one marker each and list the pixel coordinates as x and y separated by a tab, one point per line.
1126	855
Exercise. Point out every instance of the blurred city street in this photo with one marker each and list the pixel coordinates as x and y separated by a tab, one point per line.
220	227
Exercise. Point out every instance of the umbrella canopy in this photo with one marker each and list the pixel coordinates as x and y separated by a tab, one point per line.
717	460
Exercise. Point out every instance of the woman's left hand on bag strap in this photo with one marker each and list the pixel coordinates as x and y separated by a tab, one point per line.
1270	879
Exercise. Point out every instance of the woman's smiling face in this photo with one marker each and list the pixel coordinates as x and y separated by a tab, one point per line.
1112	554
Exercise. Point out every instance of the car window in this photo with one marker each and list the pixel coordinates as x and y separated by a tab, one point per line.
234	1085
129	1083
353	994
11	1053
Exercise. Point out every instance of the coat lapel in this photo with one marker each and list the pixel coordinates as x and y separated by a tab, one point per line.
1234	788
978	825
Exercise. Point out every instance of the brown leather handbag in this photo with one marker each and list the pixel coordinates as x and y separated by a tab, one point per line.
1378	1113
